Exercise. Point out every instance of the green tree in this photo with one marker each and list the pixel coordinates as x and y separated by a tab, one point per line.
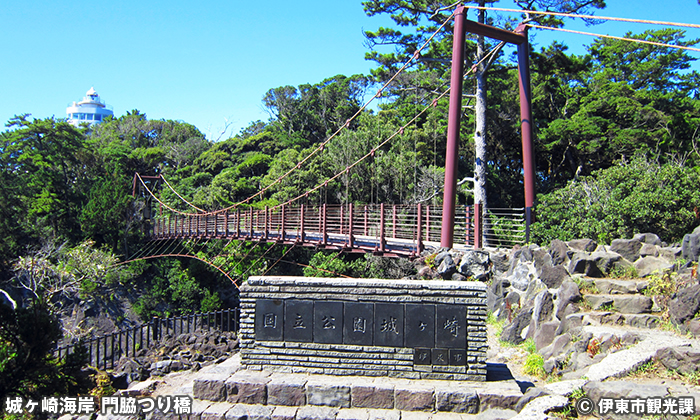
105	215
632	197
626	98
422	18
310	113
28	336
41	162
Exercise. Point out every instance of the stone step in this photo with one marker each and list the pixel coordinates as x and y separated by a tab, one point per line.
614	318
204	410
625	304
265	389
620	287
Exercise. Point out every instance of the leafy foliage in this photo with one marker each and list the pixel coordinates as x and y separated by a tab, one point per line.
331	265
632	197
620	99
27	366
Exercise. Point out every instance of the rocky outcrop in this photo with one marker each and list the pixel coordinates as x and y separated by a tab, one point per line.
539	297
691	245
174	353
456	265
685	304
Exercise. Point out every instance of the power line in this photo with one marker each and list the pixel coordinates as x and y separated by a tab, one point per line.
641	41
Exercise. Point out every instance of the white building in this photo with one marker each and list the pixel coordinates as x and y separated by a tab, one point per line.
90	110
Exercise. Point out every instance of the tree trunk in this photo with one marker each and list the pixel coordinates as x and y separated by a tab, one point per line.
480	116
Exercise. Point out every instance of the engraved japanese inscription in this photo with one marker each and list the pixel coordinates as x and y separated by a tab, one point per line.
451	327
269	320
420	326
437	333
440	357
299	320
458	357
388	324
422	357
328	322
358	326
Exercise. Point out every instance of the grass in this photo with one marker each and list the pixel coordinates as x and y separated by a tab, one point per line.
626	273
497	324
607	307
534	362
661	284
577	393
585	286
534	365
529	346
654	369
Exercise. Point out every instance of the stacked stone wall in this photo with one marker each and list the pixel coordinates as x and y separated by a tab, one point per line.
400	328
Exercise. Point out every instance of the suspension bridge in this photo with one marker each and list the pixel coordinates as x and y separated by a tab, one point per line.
388	230
403	230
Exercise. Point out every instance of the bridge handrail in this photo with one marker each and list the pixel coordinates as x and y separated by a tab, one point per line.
331	225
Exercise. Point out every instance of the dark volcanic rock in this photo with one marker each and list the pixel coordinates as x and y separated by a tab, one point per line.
553	277
545	333
447	266
628	248
648	238
475	264
513	332
691	245
685	304
587	245
543	308
583	263
500	262
685	360
559	251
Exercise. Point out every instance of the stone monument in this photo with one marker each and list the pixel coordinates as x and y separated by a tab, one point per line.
400	328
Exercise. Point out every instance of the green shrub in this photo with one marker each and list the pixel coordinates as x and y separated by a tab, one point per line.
534	365
331	265
633	197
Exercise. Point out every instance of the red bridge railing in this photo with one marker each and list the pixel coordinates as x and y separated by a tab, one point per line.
399	230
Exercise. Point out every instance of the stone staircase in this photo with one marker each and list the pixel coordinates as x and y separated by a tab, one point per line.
616	302
304	396
229	391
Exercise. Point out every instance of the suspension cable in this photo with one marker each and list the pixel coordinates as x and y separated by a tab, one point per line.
181	198
250	267
278	260
183	256
245	256
321	146
572	15
641	41
415	56
380	145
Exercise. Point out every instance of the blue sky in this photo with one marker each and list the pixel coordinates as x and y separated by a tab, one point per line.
210	62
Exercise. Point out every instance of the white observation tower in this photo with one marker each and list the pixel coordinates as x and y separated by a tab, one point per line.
90	110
